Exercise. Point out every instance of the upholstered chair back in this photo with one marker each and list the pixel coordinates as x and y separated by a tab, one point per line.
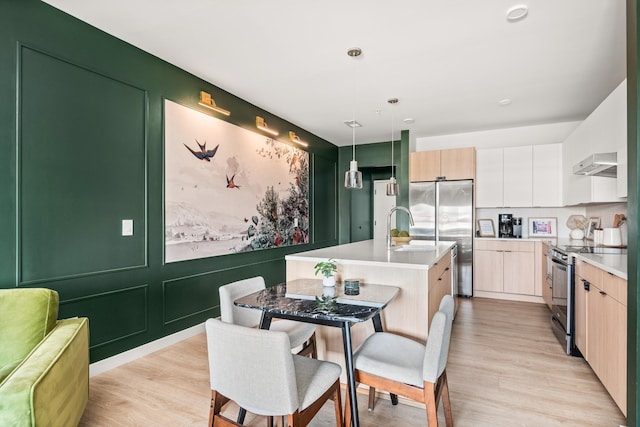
253	367
230	313
437	350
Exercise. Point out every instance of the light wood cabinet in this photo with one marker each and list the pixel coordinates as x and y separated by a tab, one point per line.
580	313
543	283
504	267
454	164
601	327
439	284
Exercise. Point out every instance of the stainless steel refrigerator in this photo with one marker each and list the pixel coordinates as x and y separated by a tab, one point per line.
443	210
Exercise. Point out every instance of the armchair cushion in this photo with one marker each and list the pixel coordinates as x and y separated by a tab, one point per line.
49	385
26	317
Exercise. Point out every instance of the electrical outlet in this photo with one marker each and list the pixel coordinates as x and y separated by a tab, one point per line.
127	227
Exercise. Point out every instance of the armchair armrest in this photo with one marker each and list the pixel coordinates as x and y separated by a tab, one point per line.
51	385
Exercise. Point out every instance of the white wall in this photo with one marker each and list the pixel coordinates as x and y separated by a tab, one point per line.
507	137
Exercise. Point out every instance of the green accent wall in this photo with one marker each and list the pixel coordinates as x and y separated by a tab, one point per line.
81	136
374	160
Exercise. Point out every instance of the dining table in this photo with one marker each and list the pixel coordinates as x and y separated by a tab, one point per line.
307	300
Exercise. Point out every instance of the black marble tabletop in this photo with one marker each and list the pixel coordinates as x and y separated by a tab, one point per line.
274	300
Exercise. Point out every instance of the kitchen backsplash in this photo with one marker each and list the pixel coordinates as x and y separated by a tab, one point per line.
605	212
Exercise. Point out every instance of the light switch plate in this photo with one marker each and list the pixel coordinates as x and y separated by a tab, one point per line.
127	227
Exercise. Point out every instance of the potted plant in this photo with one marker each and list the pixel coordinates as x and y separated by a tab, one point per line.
328	269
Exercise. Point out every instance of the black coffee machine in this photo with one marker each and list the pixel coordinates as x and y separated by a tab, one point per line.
505	225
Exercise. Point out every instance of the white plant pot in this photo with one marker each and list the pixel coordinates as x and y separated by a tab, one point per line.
329	291
329	281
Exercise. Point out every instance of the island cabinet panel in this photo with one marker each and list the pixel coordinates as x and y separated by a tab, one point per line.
506	270
439	283
453	164
601	327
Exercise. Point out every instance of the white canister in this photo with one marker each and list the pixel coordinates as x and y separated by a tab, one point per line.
597	236
611	237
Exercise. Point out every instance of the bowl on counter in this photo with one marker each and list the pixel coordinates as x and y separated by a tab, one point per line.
401	240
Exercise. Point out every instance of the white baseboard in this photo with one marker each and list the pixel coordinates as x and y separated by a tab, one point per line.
105	365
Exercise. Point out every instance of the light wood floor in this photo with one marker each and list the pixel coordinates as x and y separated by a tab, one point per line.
505	368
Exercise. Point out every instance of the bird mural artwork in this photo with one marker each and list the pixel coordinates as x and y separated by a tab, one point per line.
230	183
203	154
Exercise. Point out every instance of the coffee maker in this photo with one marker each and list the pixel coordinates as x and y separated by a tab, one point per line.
517	227
505	225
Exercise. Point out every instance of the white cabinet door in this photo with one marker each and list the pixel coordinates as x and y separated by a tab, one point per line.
604	131
518	176
547	173
489	181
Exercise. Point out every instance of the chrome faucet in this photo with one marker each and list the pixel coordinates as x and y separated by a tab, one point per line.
393	209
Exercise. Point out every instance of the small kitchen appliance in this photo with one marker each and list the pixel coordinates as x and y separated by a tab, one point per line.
517	227
505	225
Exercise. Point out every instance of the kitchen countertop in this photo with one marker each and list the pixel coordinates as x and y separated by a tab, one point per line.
614	264
419	255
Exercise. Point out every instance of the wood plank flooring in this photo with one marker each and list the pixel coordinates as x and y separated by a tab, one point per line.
505	368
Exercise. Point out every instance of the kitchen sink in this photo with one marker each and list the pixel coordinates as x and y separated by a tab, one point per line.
415	248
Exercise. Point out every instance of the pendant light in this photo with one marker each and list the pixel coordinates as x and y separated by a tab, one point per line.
392	186
353	177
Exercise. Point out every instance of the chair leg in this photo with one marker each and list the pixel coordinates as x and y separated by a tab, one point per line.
269	421
347	409
372	398
338	406
309	348
446	402
241	415
430	402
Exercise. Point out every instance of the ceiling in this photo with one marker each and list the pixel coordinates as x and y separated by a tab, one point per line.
448	62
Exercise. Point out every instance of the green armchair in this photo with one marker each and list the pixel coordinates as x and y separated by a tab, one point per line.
44	362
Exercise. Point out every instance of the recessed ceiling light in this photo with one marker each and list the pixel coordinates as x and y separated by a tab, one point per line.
352	124
516	13
409	121
504	102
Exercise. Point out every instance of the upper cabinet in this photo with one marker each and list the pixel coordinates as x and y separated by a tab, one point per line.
524	176
457	163
604	131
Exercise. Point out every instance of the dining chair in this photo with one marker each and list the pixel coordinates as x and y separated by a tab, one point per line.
256	369
301	335
407	368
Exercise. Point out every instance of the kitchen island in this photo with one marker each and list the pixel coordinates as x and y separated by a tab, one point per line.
421	271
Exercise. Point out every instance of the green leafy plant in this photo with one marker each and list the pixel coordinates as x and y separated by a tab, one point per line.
327	268
326	304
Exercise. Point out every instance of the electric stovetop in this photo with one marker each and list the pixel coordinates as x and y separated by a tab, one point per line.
587	247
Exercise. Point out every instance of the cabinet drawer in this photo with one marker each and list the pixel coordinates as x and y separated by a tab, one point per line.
589	273
502	245
441	266
615	286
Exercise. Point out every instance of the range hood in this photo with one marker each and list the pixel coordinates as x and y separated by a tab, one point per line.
600	164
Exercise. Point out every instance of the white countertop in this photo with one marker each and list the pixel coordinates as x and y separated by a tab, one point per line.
375	252
614	264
